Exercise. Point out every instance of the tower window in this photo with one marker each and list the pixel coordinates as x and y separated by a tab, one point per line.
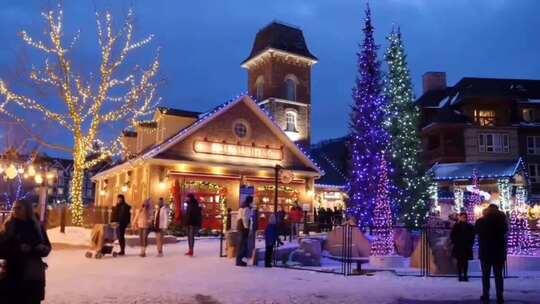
259	83
291	82
291	120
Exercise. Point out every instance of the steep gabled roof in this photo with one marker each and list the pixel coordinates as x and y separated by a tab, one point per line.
214	114
281	37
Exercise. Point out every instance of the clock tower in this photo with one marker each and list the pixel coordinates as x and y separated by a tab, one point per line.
279	77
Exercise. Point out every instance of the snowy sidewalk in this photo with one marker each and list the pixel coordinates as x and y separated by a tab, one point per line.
208	279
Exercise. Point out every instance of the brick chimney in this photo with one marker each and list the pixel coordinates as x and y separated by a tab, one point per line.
434	81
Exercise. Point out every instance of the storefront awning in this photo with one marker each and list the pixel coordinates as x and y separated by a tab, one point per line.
485	170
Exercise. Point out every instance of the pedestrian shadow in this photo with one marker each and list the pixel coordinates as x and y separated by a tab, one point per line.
471	301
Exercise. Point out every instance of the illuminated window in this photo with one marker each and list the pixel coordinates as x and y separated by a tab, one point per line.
260	88
528	115
493	143
485	118
290	83
291	120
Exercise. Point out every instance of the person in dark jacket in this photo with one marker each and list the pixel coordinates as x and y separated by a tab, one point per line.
193	221
23	243
271	238
462	237
243	225
491	229
122	216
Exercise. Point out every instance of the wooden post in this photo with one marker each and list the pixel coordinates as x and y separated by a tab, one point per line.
63	219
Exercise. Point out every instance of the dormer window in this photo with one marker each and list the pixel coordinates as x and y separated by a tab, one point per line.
291	118
290	83
485	118
259	84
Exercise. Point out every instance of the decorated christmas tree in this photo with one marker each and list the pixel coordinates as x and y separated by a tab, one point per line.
368	136
520	239
382	215
411	193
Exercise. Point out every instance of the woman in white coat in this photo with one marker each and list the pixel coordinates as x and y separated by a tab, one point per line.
160	223
141	221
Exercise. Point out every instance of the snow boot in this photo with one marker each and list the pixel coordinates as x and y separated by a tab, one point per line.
189	253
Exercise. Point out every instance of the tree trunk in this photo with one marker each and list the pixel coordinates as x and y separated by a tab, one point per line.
77	182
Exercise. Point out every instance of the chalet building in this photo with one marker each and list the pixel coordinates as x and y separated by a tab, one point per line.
483	125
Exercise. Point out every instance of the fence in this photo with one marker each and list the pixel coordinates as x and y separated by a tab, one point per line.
423	252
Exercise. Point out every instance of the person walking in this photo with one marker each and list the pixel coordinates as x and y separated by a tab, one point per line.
193	221
24	243
271	237
160	222
462	237
122	216
491	229
244	222
296	219
141	222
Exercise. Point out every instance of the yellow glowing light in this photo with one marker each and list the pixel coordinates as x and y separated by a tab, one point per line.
227	149
310	193
11	171
162	185
102	192
31	171
20	170
125	188
25	175
1	169
49	175
38	179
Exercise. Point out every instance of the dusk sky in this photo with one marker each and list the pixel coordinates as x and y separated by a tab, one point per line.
203	42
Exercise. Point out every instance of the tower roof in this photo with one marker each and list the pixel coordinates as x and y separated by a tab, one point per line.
283	37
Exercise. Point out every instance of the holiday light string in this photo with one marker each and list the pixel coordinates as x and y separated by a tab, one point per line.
85	102
382	215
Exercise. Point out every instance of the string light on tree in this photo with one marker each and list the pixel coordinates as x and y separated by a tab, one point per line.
475	199
458	199
520	241
505	195
89	102
382	215
367	134
409	177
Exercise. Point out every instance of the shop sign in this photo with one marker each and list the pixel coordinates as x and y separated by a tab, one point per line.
228	149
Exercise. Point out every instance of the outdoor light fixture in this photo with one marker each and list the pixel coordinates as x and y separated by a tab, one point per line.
38	179
162	185
31	171
20	170
11	171
102	192
125	187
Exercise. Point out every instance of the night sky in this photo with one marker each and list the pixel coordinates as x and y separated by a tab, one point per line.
203	43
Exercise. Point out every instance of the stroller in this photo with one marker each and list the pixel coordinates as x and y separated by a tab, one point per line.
102	241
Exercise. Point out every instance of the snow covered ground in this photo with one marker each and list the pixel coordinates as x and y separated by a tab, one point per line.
208	279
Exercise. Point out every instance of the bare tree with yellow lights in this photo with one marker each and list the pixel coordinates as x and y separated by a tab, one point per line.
89	102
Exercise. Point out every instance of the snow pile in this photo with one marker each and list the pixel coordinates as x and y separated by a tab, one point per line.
206	278
74	236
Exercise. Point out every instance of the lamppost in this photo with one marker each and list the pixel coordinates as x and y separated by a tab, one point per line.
277	170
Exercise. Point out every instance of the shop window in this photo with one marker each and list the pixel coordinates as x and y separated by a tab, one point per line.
534	173
291	121
528	115
290	84
259	83
485	118
493	143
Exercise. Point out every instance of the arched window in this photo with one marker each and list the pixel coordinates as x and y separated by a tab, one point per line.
291	120
290	83
259	84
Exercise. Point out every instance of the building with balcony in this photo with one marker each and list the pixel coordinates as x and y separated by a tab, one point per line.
481	124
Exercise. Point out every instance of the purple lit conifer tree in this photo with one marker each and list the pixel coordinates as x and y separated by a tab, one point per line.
382	215
368	137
